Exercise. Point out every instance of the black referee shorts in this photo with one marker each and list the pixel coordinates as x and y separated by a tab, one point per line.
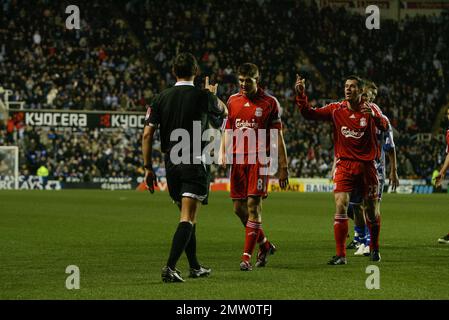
188	180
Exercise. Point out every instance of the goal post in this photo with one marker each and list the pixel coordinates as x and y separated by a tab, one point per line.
9	167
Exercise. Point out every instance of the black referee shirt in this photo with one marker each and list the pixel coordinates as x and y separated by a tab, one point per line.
178	107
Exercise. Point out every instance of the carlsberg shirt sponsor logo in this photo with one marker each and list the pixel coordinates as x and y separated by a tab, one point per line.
348	133
240	124
56	119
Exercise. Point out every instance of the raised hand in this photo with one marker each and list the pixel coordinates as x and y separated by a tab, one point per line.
300	85
211	88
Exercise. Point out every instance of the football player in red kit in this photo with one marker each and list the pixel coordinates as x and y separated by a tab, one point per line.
252	113
356	147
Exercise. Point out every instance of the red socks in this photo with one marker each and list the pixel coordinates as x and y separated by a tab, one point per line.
374	230
341	233
252	232
262	240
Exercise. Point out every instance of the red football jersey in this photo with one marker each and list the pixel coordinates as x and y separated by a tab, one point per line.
260	112
354	131
447	141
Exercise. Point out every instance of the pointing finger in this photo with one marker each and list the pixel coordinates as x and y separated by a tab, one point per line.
207	82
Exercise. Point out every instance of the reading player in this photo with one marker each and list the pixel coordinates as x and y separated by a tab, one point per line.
252	109
177	108
356	147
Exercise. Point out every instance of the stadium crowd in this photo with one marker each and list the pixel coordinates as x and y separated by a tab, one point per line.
48	66
121	57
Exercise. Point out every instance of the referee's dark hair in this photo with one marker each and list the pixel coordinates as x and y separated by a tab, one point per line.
185	65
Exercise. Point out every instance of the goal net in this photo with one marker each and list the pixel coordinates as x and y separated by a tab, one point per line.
9	167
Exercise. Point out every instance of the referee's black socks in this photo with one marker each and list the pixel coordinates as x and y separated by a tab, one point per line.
191	250
180	240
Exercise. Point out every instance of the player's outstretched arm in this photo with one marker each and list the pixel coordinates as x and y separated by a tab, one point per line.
442	173
147	150
302	102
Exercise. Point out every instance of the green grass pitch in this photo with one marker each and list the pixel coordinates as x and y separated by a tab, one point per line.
120	240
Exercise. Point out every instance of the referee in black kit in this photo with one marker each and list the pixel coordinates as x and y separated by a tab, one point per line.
177	108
